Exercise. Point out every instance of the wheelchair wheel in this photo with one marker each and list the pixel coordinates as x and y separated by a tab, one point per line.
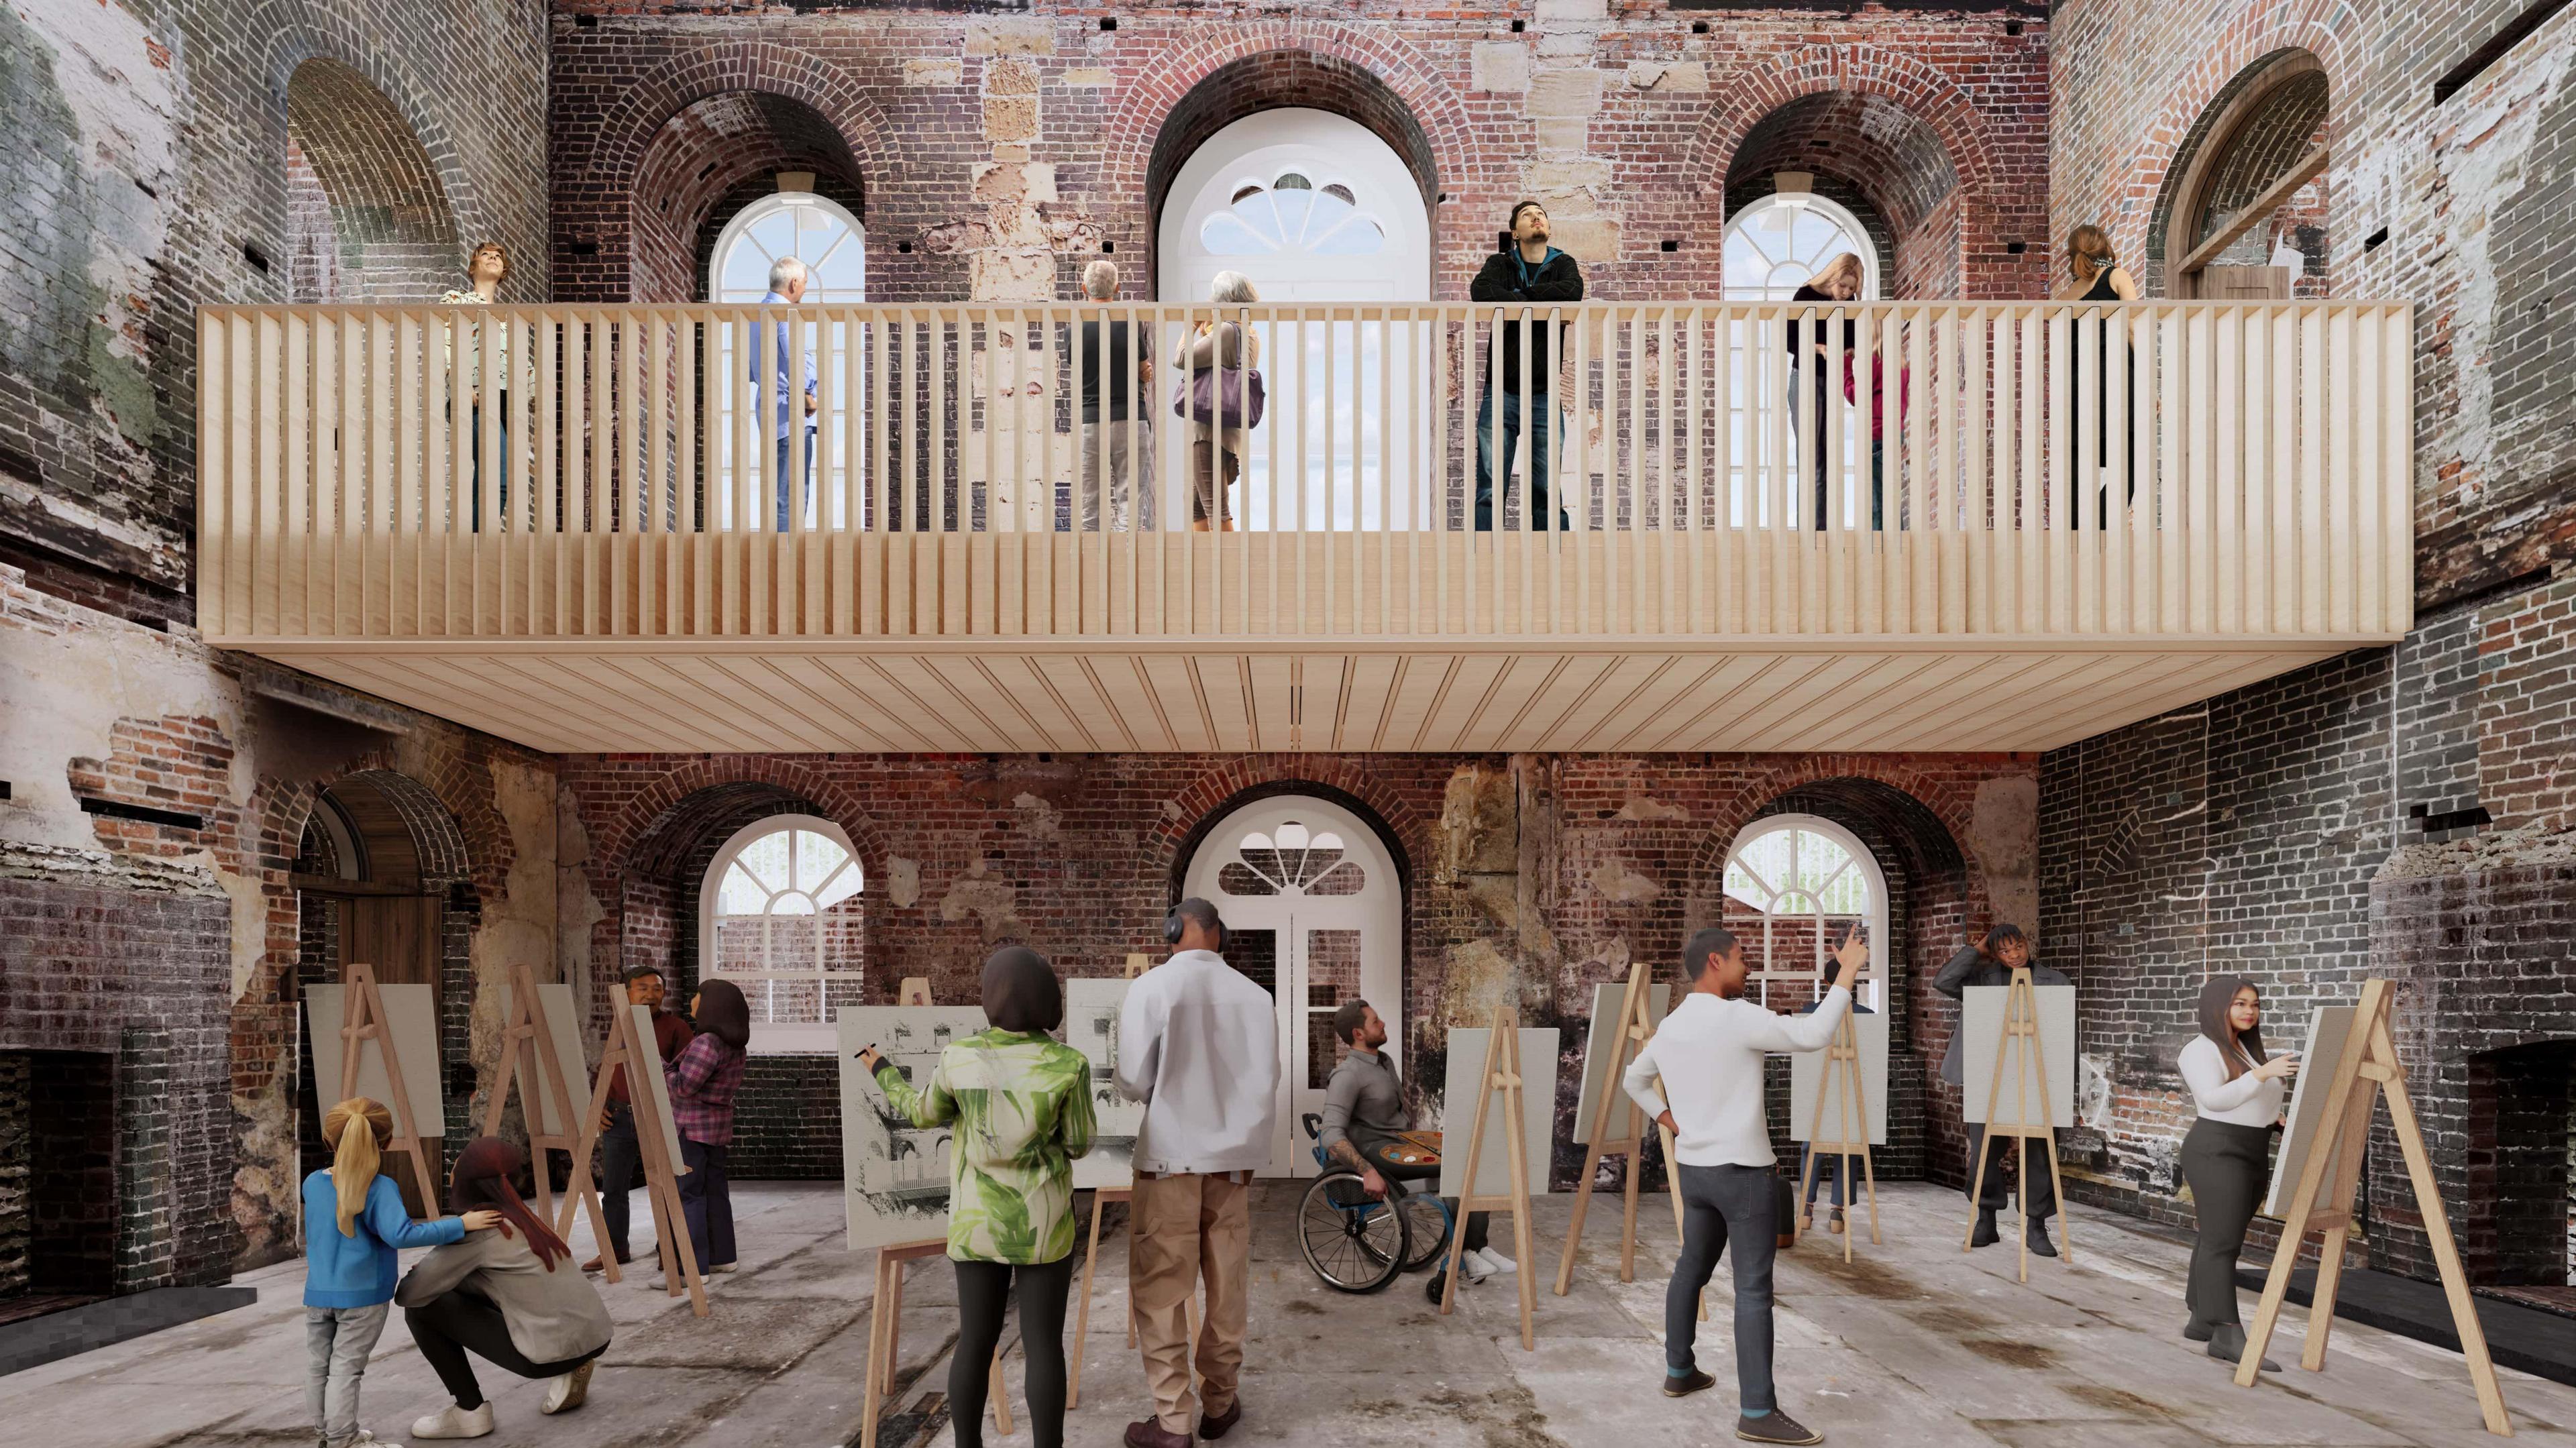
1427	1227
1354	1241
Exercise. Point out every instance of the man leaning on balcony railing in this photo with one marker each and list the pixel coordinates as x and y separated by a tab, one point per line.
1523	269
787	281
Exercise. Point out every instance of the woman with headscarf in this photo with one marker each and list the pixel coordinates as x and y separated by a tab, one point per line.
2227	1156
1020	1102
513	1297
703	1080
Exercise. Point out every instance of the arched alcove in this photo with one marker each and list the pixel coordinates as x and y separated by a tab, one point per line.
1874	159
713	158
368	219
2242	212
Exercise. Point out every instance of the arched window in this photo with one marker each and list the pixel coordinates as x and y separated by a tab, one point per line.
2246	200
780	915
833	245
1775	244
1792	882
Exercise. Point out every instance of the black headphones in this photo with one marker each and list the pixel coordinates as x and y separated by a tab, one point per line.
1172	930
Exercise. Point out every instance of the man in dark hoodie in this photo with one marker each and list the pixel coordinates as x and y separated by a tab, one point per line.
1525	269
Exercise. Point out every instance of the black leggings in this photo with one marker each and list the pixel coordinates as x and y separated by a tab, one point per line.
445	1327
2228	1165
983	1289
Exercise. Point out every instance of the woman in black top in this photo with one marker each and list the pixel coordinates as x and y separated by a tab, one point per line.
2095	275
1812	363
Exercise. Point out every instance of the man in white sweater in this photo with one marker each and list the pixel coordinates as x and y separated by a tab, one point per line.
1701	1077
1198	1043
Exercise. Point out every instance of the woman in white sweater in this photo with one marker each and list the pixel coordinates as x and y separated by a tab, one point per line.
2227	1158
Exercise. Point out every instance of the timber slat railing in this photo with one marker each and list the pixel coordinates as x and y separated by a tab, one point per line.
565	471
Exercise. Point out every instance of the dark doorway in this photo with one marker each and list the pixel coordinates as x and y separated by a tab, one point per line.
58	1215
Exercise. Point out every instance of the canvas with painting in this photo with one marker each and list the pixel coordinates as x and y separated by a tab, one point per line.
895	1174
1091	1008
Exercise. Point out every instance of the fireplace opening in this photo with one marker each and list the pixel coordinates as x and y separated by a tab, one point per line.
58	1216
2518	1233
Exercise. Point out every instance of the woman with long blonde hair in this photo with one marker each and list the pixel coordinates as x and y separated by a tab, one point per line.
354	1223
1219	423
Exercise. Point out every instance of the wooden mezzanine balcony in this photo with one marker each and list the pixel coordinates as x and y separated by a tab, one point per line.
595	561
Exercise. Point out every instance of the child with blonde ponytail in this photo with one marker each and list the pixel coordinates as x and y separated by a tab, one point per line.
354	1222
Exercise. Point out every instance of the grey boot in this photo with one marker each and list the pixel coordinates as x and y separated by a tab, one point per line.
2227	1344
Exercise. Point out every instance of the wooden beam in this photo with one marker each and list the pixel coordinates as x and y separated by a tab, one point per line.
2256	210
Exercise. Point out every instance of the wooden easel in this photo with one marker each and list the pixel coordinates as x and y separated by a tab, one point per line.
1635	1027
1502	1074
2021	1022
362	1019
885	1310
1852	1125
661	1174
528	1057
2323	1203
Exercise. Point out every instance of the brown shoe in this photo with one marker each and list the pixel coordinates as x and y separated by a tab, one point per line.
593	1265
1215	1425
1152	1434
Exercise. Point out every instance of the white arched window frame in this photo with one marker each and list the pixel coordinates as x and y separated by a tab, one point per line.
1791	881
833	244
780	915
1771	248
1312	206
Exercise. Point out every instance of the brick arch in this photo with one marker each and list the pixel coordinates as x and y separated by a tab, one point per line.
2295	105
1750	95
298	34
617	143
658	808
709	160
1253	776
1947	807
1133	133
2259	33
382	228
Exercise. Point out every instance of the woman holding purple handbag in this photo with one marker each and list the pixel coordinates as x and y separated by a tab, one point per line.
1221	395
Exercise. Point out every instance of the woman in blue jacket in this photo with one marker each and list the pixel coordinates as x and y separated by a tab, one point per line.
354	1223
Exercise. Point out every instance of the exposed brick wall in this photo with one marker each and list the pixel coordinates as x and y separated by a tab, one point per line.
17	1213
995	153
1616	859
148	155
139	978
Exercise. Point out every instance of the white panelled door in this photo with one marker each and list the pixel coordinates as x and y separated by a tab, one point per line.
1315	914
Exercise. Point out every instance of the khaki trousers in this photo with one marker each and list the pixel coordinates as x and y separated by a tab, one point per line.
1188	1228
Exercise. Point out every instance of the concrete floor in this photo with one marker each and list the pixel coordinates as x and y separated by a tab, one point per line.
1916	1344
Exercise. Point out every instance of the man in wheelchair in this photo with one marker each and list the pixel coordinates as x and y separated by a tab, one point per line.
1367	1129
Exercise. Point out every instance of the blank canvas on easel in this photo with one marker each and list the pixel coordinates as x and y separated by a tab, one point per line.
1981	1026
1465	1079
1869	1033
563	1027
411	1017
2305	1131
646	1076
1601	1046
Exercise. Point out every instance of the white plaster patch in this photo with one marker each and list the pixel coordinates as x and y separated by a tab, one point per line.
991	901
1043	818
1617	882
937	71
1648	809
903	882
1676	75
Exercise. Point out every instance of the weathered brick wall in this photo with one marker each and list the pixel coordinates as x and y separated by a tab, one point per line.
1528	879
993	154
148	157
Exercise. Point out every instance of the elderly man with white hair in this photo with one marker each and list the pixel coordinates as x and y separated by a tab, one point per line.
787	282
1115	428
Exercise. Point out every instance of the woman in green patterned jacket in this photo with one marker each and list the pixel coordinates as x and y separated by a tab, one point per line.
1020	1102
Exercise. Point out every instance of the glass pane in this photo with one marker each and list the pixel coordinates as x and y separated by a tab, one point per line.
1293	206
1235	878
1342	879
817	856
1357	237
1226	235
1322	1051
840	886
740	894
765	860
793	902
1256	954
1291	181
1332	966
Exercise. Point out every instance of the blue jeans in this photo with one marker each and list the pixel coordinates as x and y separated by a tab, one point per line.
706	1201
1541	430
474	464
1826	1169
785	464
1722	1204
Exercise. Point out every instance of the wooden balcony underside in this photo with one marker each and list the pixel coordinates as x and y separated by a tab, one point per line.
1018	695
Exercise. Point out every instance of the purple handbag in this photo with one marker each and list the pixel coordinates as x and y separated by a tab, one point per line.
1235	393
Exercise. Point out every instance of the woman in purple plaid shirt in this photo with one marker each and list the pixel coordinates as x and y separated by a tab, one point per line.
703	1080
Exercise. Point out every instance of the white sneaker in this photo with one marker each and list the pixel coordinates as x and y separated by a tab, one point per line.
566	1393
1472	1266
726	1267
454	1422
1494	1261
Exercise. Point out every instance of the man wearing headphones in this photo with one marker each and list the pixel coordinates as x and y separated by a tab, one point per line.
1198	1043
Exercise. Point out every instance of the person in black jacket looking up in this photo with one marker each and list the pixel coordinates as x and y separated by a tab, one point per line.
1991	963
1524	269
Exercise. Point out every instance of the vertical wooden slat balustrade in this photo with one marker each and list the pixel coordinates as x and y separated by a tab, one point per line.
2155	468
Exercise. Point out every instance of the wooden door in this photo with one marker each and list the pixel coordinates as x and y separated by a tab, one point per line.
399	935
2246	283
